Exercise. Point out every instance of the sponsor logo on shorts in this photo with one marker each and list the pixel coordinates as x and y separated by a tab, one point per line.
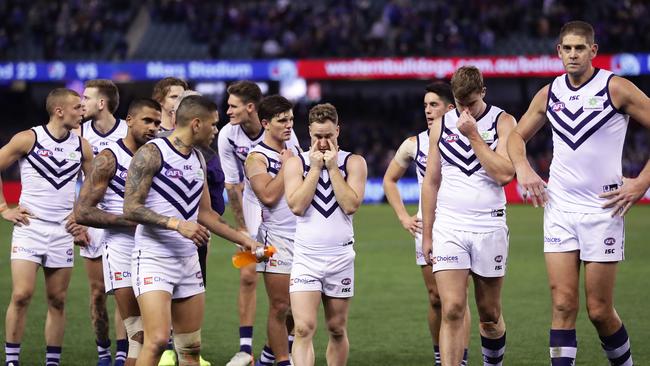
552	240
498	268
346	281
198	275
346	289
557	106
609	241
69	252
150	280
304	281
174	173
17	249
451	138
610	251
498	258
119	276
499	212
278	262
610	187
445	258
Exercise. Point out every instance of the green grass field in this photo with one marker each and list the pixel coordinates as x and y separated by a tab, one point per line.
388	313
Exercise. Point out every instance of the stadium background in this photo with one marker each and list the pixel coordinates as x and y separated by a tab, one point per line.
371	59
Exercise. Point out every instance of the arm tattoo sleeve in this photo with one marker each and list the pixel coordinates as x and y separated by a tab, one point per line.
92	192
144	166
235	201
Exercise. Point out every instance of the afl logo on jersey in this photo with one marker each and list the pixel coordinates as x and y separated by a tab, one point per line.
243	150
174	173
451	138
44	152
557	106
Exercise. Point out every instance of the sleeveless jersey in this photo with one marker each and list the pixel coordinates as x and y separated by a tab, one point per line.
420	159
99	141
277	219
468	199
324	227
48	174
113	201
175	191
588	136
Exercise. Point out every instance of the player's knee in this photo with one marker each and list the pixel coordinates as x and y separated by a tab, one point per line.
247	280
492	329
56	301
188	345
336	327
600	312
304	329
488	313
565	306
21	298
279	308
454	311
135	334
156	342
98	291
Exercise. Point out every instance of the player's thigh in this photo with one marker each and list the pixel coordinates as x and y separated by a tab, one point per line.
277	287
23	276
95	271
126	302
452	287
187	313
304	307
487	292
57	281
336	311
600	279
429	281
563	271
155	307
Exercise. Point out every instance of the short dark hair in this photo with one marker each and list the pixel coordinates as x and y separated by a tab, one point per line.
579	28
466	81
442	89
322	113
273	105
193	106
247	91
56	97
162	87
109	90
140	103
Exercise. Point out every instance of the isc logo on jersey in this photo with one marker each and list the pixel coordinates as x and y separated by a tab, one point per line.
174	173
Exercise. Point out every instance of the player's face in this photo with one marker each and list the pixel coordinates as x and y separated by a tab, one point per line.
90	101
144	124
207	129
320	133
280	126
473	104
72	111
238	111
576	53
169	101
434	107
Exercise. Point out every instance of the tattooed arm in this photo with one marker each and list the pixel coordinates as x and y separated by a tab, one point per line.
146	162
93	190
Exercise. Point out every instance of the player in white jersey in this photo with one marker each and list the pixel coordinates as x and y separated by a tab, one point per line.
265	171
235	141
587	196
50	158
463	215
104	187
100	100
324	187
166	194
438	100
166	92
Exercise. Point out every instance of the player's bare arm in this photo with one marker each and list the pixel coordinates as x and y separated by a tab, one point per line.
348	191
529	124
632	101
93	191
395	171
430	187
268	189
145	164
215	223
235	192
17	147
300	192
87	160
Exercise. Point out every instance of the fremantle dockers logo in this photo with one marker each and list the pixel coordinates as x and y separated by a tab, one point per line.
557	106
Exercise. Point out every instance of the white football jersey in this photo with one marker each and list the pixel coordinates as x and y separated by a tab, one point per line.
175	191
588	137
99	141
278	219
324	227
48	175
420	159
468	198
